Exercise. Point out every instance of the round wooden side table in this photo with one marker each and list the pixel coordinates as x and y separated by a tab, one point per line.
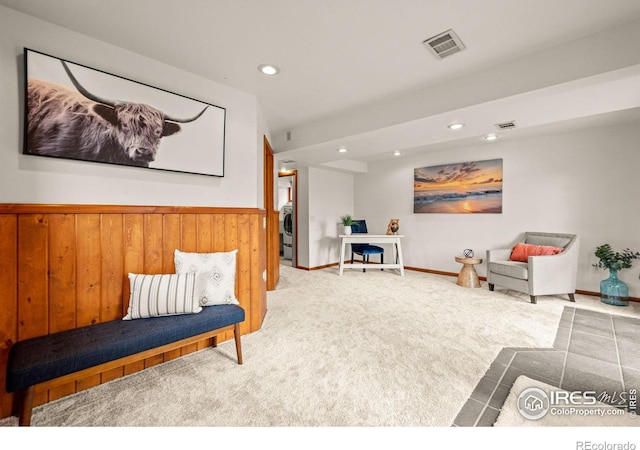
468	276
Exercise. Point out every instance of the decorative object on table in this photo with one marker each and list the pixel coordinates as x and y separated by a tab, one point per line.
468	253
460	188
346	222
614	291
393	227
76	112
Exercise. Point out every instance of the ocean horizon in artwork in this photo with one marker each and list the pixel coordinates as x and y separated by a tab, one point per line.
461	188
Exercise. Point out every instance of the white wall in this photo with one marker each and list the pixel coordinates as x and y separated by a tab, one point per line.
34	179
302	215
263	131
583	182
323	196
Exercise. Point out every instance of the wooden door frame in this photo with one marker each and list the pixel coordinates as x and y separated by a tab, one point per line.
272	216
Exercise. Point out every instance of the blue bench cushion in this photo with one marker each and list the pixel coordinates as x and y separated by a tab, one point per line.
44	358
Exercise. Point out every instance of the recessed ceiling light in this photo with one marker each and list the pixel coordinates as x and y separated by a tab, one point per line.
455	126
342	150
491	137
397	153
269	69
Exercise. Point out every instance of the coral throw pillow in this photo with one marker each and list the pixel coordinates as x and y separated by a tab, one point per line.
521	252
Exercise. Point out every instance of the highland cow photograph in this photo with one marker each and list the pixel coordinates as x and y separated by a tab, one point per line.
76	112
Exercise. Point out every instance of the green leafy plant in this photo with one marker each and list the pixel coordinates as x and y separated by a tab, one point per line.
615	260
346	220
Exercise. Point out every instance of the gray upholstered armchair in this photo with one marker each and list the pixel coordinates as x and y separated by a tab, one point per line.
540	275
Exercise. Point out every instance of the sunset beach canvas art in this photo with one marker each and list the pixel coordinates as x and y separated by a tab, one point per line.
460	188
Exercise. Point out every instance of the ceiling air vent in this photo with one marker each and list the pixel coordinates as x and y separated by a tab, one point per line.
506	125
444	44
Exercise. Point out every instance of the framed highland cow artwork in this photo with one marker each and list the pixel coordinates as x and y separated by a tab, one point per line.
76	112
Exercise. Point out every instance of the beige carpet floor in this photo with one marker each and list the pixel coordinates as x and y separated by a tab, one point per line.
362	349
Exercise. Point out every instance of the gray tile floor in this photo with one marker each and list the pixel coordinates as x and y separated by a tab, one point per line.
592	351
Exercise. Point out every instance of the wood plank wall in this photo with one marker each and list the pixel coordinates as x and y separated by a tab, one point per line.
273	250
66	266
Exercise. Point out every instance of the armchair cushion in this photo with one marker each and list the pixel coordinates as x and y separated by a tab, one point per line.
553	239
521	251
511	269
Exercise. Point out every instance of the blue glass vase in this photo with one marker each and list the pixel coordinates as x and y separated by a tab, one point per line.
613	291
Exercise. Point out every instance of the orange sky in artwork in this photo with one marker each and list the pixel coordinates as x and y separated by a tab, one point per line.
459	176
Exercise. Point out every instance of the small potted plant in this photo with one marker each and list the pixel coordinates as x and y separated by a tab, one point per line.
613	291
346	222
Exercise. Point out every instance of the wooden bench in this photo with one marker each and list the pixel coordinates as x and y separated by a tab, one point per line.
58	358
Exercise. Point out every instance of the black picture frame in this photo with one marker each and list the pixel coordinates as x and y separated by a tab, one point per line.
76	112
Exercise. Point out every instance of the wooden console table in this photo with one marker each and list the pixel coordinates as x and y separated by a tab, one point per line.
365	238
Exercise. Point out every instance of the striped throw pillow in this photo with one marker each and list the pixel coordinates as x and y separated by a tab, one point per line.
162	295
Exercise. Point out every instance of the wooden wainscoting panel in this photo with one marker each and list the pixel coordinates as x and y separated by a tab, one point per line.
62	283
66	266
189	244
133	234
189	233
243	274
62	272
153	253
258	270
273	253
89	271
88	283
8	301
204	244
219	233
204	239
113	280
230	232
171	240
112	266
153	248
33	281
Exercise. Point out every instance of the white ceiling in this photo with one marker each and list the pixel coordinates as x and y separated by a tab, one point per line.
341	56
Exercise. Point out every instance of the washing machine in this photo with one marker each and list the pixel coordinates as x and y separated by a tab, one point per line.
287	228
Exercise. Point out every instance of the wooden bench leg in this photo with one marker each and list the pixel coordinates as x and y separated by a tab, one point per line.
236	336
25	406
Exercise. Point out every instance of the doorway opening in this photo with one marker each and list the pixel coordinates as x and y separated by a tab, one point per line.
288	223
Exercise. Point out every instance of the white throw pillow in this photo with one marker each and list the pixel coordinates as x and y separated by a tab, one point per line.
162	295
216	282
